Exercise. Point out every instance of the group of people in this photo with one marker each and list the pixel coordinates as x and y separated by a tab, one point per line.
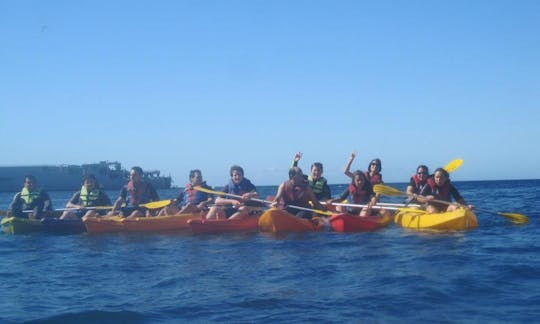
300	195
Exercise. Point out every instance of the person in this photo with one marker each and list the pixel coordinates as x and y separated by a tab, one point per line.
31	201
316	181
190	200
234	207
136	192
418	183
373	174
441	188
90	195
297	192
359	192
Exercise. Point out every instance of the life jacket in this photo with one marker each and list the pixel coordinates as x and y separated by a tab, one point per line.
29	196
194	196
357	195
295	194
317	185
138	195
440	193
243	187
374	179
89	198
419	186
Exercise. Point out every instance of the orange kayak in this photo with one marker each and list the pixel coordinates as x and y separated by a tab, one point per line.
277	220
248	224
110	224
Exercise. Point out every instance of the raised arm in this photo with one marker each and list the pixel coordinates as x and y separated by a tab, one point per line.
347	169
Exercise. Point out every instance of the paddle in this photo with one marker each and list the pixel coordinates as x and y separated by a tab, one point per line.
513	217
453	165
363	206
221	193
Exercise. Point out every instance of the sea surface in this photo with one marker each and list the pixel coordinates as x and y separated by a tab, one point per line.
487	275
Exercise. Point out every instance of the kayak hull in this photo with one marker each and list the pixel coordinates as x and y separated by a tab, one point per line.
248	224
63	226
112	224
279	221
18	225
457	220
346	223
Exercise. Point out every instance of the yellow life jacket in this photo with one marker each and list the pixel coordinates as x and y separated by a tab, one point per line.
29	196
89	197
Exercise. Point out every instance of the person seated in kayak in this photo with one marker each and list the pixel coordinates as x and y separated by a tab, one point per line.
31	201
418	184
233	207
373	174
316	181
296	192
441	188
90	195
136	192
359	192
190	200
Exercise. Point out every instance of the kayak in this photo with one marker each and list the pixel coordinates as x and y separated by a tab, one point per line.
63	226
277	220
459	219
19	225
112	224
248	224
353	223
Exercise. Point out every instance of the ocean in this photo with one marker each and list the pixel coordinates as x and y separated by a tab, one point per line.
487	275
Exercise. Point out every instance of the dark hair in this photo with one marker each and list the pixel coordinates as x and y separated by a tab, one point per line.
362	175
236	168
424	168
294	171
138	170
443	171
192	173
89	176
318	165
378	162
30	177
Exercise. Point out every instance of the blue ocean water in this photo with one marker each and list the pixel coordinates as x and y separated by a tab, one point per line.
490	274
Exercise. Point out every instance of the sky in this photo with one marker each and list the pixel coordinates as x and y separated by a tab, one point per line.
181	85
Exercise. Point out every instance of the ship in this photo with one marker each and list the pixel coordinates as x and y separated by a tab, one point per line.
110	175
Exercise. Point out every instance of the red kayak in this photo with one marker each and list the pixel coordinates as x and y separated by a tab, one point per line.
278	221
354	223
248	224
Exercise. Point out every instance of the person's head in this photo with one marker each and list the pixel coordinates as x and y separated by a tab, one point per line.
375	166
136	174
195	176
296	175
90	181
359	179
237	174
316	170
422	172
30	181
440	176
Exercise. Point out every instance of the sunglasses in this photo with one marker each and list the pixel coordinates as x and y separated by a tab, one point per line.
421	172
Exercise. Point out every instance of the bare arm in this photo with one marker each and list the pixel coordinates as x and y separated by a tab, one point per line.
347	169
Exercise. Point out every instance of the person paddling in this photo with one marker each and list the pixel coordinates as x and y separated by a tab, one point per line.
418	183
31	197
190	200
90	195
441	188
137	191
297	192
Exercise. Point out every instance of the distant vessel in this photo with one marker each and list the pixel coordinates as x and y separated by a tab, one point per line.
110	175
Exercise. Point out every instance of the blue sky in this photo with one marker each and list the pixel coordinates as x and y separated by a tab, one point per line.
178	85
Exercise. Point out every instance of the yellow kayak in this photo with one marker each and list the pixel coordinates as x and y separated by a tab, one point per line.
460	219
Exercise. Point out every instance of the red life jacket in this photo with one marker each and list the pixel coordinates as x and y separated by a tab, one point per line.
137	195
374	179
419	185
440	193
357	195
295	194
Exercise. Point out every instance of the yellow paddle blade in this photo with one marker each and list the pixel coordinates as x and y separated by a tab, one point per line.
199	188
515	218
453	165
388	191
156	204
